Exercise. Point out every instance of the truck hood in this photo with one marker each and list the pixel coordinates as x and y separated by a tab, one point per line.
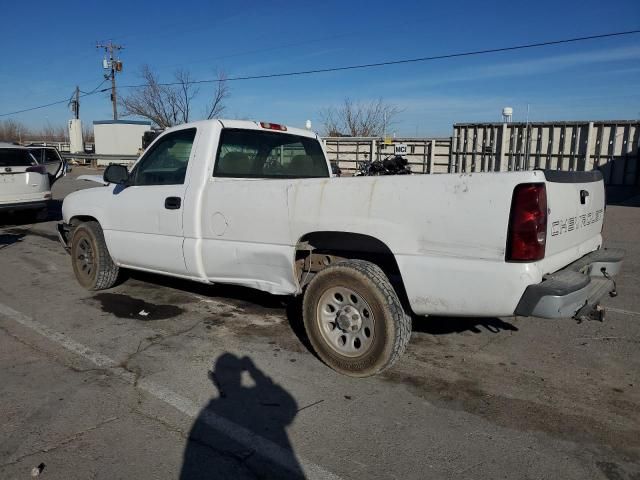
93	178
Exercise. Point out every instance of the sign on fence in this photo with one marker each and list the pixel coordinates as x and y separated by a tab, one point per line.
400	149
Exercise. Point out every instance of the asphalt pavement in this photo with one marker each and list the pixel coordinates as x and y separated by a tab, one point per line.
161	378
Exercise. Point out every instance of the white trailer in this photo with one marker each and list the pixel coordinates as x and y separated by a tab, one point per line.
118	137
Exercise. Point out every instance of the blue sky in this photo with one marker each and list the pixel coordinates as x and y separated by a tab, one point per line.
49	47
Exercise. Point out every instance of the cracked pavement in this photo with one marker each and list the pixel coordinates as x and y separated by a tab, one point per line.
216	382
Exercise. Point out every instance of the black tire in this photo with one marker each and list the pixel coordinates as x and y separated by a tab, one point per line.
391	325
92	264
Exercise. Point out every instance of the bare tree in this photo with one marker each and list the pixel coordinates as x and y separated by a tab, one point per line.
153	101
12	131
359	119
87	134
169	105
185	93
51	133
216	105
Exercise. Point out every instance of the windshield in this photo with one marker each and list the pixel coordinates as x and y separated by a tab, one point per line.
257	154
15	157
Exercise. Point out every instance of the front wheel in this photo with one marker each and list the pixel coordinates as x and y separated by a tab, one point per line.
354	319
92	264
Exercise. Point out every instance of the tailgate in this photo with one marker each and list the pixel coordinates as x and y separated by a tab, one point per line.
14	181
576	209
17	182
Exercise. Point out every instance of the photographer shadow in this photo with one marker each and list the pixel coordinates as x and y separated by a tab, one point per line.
241	433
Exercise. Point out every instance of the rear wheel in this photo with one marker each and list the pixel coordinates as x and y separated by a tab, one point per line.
354	319
92	264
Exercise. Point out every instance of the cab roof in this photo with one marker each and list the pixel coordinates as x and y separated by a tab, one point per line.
251	125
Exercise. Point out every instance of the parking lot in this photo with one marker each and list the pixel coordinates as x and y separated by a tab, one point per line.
163	378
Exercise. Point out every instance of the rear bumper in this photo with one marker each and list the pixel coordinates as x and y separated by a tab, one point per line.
16	206
575	290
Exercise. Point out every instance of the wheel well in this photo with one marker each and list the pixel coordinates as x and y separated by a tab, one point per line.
318	250
78	219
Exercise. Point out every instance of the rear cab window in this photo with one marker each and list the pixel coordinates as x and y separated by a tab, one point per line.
258	154
15	157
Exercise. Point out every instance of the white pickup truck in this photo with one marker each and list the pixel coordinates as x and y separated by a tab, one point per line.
255	204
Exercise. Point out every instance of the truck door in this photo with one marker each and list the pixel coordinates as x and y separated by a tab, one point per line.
144	219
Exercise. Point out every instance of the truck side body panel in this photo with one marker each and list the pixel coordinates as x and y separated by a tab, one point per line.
448	233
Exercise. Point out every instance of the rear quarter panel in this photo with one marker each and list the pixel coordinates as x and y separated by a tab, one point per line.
447	232
461	215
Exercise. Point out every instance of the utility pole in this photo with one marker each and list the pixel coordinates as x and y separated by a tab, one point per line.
113	65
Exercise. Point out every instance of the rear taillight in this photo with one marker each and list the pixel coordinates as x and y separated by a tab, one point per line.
528	223
273	126
37	169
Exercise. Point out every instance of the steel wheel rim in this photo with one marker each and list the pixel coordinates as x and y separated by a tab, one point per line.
85	258
346	321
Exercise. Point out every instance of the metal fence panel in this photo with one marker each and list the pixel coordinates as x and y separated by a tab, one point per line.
425	155
611	146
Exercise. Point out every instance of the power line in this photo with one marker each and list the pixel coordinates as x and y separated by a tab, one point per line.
95	89
362	66
84	94
35	108
66	100
404	61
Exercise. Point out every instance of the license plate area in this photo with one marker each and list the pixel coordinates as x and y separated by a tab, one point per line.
7	178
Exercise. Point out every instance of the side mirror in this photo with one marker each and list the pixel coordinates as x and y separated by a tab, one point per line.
117	174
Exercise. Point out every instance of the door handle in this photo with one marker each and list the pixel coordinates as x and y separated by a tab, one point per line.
583	196
172	203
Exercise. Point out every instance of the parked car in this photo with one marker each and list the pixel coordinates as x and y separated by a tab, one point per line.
24	183
50	157
255	204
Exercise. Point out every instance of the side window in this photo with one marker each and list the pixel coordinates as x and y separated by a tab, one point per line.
259	154
166	163
37	154
51	155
